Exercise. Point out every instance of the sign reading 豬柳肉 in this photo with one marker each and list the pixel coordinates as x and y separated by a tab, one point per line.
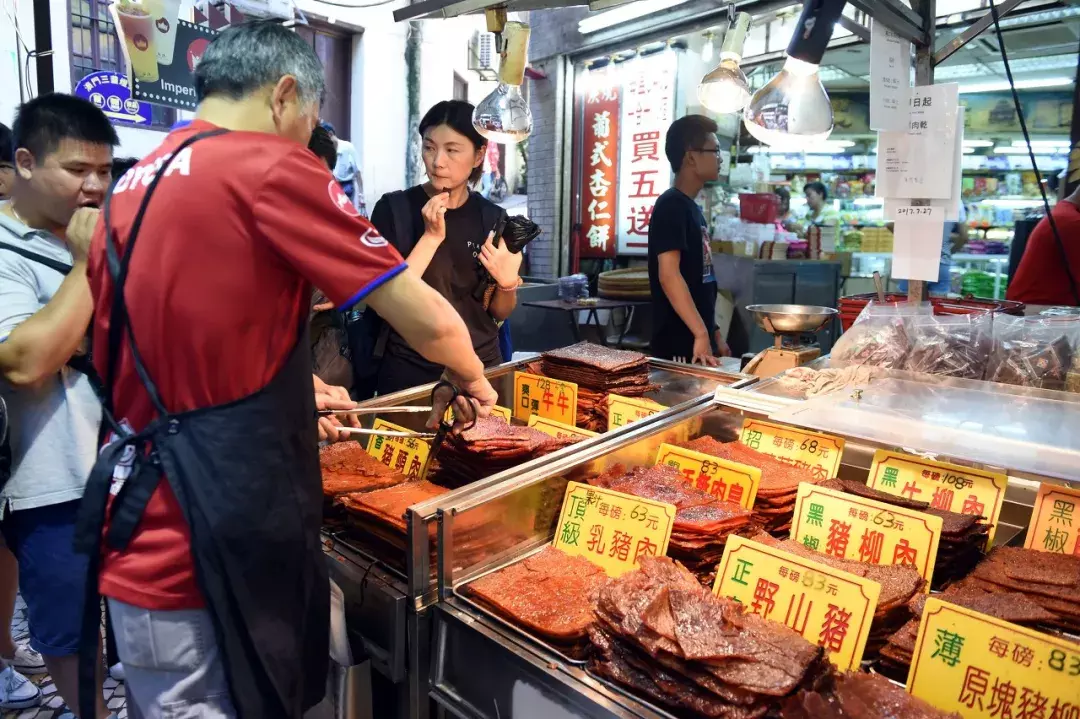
111	92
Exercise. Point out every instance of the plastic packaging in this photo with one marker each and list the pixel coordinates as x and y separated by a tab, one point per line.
951	345
1033	351
880	337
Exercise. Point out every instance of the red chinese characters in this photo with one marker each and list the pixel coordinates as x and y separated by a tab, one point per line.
598	165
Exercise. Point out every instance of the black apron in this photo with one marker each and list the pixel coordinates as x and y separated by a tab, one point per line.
246	475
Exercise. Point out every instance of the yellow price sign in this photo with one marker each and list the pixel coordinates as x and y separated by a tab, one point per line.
865	530
725	480
407	455
558	430
945	486
612	529
624	410
549	398
813	451
828	607
981	666
1055	523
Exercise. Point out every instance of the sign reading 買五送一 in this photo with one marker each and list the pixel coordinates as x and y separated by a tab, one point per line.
111	92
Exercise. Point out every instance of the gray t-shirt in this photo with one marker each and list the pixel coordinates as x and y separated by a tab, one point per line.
53	427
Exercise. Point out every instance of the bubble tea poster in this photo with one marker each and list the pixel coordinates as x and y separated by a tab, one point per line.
161	49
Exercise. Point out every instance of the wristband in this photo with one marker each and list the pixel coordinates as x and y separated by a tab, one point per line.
512	288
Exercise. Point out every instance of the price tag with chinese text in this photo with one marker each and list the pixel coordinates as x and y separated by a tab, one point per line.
828	607
981	666
611	529
407	455
727	481
813	451
550	398
945	486
496	411
624	410
864	530
558	430
1055	521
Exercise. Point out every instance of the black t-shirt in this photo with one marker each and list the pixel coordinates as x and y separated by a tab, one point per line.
677	223
454	272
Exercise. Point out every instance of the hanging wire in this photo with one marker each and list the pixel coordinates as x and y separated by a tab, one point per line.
1031	154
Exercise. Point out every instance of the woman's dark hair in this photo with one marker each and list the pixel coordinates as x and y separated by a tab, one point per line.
819	188
457	115
7	145
322	144
785	196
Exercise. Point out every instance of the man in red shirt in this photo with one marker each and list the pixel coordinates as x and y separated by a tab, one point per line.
212	566
1041	278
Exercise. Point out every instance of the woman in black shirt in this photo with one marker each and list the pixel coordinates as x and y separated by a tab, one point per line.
445	232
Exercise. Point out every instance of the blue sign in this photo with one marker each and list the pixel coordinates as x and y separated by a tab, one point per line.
111	92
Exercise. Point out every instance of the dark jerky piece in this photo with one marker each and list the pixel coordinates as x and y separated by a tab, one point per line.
597	357
1031	363
949	350
858	488
862	696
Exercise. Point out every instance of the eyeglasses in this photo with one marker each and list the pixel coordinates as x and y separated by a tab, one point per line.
7	166
708	150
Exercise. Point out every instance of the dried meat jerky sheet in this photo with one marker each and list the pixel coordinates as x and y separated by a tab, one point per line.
491	446
387	506
347	467
550	594
662	634
597	357
856	695
1050	580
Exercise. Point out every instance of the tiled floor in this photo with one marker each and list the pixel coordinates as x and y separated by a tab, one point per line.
52	707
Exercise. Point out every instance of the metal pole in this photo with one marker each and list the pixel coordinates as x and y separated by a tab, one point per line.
924	75
974	30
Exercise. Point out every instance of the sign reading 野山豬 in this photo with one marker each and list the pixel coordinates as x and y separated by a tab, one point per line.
624	410
864	530
945	486
1055	522
599	208
111	92
725	480
407	455
612	529
828	607
813	451
984	667
550	398
648	108
558	430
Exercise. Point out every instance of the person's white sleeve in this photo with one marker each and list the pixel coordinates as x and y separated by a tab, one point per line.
18	294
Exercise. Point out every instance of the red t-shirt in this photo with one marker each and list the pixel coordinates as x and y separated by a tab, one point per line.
239	228
1040	278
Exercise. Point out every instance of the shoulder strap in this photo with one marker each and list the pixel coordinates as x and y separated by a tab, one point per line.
61	267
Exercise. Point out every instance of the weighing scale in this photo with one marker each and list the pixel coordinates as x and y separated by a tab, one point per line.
793	327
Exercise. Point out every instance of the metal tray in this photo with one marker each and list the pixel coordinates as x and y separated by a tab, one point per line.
503	622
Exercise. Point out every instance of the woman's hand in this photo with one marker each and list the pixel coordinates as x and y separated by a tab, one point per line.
434	214
501	263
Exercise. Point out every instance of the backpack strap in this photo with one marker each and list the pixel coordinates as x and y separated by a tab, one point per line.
61	267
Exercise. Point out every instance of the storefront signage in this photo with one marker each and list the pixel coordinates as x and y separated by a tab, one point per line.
111	92
945	486
986	668
161	50
864	530
612	530
727	481
624	410
407	455
817	453
828	607
648	108
558	430
599	209
546	397
1055	521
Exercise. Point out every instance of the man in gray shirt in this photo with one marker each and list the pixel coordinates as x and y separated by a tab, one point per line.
63	157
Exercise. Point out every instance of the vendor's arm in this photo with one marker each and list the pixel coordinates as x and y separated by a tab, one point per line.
678	294
503	266
36	345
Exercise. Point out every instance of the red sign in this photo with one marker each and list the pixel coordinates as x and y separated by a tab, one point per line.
599	163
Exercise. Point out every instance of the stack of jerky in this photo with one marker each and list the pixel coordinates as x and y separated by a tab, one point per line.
963	536
598	371
347	467
775	503
488	447
1050	580
667	638
702	522
856	694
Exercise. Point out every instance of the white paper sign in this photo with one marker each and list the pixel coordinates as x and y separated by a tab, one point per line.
896	210
919	163
890	79
648	108
950	206
917	248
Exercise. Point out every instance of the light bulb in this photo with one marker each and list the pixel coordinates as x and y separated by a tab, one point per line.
725	88
503	116
793	110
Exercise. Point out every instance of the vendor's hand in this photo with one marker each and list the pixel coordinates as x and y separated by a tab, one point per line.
703	352
330	397
500	262
475	401
80	230
434	214
722	348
